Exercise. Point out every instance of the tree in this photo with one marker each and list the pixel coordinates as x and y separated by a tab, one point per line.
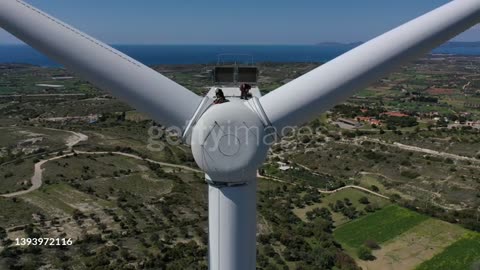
347	201
264	238
269	251
363	200
319	212
154	237
339	205
395	197
350	212
323	258
345	262
3	233
370	209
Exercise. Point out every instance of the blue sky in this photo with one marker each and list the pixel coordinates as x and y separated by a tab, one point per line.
236	22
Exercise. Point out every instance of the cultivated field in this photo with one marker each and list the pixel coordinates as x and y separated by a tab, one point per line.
381	226
408	240
464	254
415	246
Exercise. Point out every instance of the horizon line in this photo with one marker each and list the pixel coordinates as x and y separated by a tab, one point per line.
232	44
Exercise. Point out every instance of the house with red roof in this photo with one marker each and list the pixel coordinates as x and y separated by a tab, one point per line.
395	114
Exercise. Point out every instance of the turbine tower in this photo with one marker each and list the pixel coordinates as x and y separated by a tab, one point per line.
230	141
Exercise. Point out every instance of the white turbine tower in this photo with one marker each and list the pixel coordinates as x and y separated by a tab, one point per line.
227	139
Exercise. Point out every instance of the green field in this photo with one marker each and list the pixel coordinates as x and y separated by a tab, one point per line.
463	254
381	226
354	195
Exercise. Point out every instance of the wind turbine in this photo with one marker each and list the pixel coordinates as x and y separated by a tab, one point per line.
228	156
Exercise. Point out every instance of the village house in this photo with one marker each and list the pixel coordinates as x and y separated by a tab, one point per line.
369	120
395	114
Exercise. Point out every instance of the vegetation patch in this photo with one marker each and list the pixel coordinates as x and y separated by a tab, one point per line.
381	226
351	200
15	212
419	244
463	254
16	175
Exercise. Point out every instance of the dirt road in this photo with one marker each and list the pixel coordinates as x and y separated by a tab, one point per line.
36	179
329	191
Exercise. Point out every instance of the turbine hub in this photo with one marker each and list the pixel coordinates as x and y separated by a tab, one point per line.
228	142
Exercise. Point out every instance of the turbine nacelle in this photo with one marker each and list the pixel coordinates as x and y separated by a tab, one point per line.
229	143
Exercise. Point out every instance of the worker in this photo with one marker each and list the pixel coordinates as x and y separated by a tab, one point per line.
244	91
219	97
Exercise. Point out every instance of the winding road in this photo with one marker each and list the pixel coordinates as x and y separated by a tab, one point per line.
36	179
327	191
77	137
38	171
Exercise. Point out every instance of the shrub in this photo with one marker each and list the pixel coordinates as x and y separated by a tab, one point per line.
3	233
364	253
409	174
363	200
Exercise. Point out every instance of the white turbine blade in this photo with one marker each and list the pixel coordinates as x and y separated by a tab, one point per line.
317	91
146	90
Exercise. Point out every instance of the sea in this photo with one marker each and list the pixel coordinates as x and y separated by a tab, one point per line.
212	54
